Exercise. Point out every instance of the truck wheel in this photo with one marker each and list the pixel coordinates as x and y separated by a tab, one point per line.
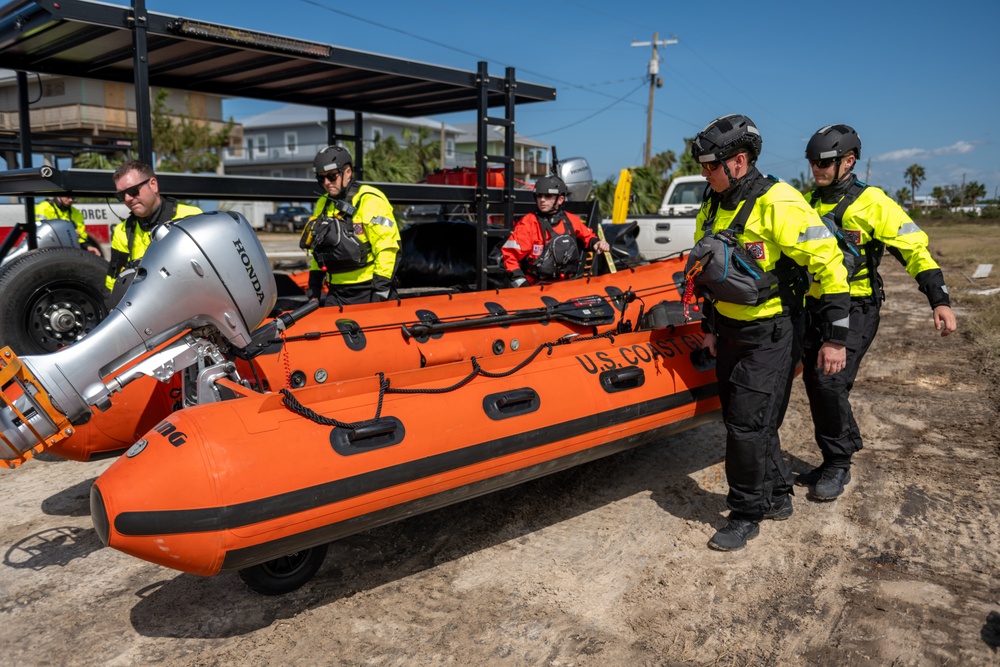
51	297
268	226
285	574
290	227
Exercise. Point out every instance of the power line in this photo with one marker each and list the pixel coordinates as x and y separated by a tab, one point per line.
596	113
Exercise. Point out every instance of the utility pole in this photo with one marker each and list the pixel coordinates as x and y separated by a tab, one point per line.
655	81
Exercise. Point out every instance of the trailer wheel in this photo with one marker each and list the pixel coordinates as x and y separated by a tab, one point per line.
51	297
285	574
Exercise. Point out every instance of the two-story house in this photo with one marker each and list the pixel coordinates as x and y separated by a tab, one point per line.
531	156
283	142
71	115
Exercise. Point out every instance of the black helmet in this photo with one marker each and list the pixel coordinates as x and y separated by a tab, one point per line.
725	137
550	185
331	158
833	141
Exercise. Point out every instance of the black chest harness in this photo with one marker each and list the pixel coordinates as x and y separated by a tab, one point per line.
332	239
856	256
561	256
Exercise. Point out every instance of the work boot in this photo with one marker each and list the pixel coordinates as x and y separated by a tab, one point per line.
735	535
781	508
831	483
810	478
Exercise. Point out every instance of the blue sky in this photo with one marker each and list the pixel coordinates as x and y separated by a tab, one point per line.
910	77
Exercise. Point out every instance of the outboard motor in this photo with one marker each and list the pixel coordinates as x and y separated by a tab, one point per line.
49	234
207	270
578	178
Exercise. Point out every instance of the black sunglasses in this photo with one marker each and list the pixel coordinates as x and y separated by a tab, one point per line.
131	191
328	176
823	164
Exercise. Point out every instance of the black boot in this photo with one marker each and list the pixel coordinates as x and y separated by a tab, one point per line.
735	535
832	483
810	478
781	508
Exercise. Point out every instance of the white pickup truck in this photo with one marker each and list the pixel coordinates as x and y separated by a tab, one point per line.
671	229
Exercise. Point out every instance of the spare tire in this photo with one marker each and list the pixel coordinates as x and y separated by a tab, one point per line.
51	297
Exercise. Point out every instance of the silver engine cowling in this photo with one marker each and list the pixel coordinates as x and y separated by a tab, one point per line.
578	178
207	270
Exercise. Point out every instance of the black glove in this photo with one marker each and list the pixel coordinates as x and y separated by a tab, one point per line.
517	279
381	288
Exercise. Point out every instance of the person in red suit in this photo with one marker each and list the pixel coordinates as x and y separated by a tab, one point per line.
548	244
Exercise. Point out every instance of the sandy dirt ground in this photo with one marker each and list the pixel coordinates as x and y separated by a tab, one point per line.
605	564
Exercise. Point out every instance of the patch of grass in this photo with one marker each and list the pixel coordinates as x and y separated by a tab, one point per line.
959	248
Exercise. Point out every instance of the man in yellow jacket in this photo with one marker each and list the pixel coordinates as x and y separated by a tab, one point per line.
61	208
136	185
757	339
352	235
867	222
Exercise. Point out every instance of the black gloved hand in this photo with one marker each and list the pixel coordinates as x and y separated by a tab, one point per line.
381	288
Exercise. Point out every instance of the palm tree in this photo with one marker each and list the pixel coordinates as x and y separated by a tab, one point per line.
662	163
974	191
915	175
902	195
427	155
604	193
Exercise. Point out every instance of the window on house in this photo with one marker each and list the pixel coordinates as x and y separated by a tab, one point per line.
291	143
377	133
261	143
449	149
53	88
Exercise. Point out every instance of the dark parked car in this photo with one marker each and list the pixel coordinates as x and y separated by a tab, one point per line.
287	218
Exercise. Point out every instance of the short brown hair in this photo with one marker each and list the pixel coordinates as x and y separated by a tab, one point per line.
133	165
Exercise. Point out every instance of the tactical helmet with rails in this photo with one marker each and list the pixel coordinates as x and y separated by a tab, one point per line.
725	137
833	141
331	158
550	185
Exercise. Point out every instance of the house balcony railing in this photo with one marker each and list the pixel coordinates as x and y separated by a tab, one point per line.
77	117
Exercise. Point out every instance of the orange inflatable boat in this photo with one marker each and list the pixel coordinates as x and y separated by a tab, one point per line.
360	453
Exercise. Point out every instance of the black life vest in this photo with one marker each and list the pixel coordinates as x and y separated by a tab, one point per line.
332	239
560	256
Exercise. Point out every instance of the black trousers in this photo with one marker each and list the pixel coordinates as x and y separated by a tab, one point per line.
836	431
342	295
755	367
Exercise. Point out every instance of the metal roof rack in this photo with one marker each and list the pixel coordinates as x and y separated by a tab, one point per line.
80	38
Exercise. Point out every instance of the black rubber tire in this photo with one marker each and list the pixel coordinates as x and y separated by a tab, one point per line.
268	226
286	574
50	298
290	227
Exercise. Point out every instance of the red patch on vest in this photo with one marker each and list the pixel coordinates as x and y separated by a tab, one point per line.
755	249
853	235
358	229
